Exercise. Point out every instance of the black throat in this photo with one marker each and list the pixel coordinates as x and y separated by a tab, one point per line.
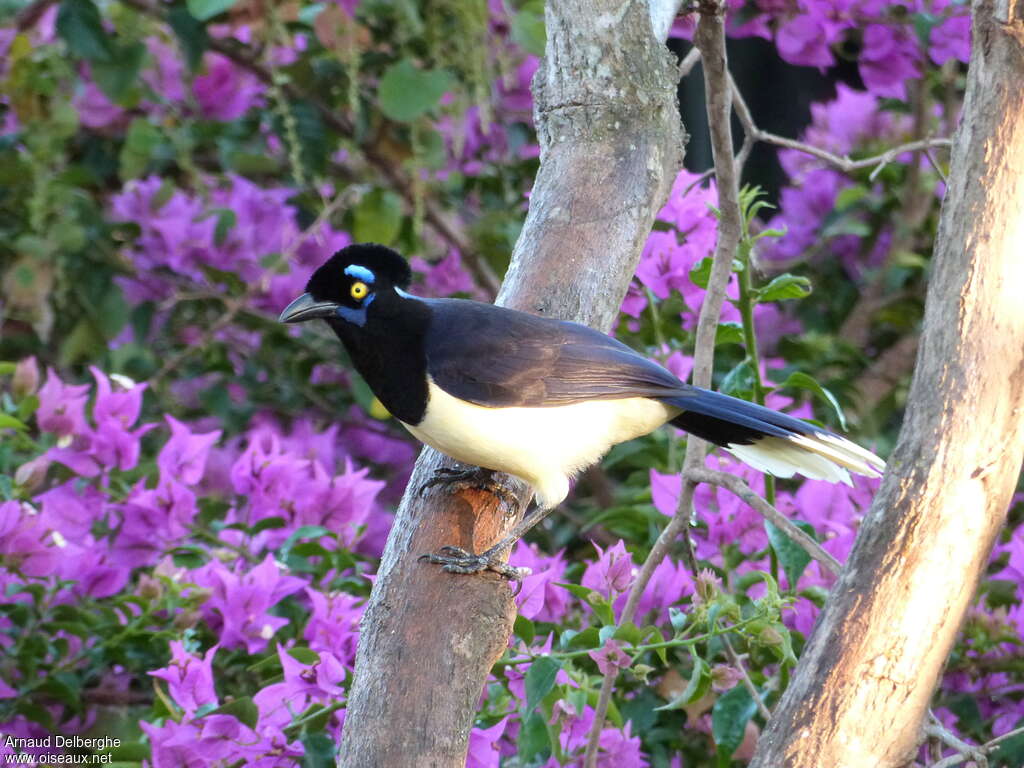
389	351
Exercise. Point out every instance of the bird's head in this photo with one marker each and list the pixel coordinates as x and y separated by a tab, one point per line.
346	285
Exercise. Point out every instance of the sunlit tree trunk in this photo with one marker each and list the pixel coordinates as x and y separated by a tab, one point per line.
611	145
863	684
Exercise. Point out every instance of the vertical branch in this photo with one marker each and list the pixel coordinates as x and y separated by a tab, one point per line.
710	39
882	639
611	146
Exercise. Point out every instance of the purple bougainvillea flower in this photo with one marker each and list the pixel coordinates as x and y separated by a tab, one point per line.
951	40
225	91
804	40
613	571
483	745
62	406
610	657
889	58
189	678
239	602
540	597
183	457
333	624
26	543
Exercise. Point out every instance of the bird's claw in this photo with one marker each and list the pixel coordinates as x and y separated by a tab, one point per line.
457	560
476	478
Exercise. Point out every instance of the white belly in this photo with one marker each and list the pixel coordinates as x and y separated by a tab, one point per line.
544	446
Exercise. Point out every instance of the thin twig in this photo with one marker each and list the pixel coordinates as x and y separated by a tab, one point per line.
841	162
710	39
747	494
844	163
964	750
689	62
935	165
736	661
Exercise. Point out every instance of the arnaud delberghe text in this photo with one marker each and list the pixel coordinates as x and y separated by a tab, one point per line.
54	741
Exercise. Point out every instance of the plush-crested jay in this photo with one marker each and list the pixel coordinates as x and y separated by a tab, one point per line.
538	398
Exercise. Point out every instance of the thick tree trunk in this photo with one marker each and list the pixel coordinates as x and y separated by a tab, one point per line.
869	670
611	146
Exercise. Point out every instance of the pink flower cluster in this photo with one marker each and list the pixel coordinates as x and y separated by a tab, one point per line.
807	33
234	230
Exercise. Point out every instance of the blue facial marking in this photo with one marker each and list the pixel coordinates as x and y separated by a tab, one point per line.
356	316
360	273
405	295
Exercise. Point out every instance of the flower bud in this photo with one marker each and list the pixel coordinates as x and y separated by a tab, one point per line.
26	378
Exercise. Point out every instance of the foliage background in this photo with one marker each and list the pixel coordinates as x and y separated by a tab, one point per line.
193	497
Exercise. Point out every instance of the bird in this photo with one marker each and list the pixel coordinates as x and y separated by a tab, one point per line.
532	396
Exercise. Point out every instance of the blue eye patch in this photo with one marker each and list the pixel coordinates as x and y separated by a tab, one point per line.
360	273
356	316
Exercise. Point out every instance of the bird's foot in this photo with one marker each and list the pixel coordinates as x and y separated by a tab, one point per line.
458	560
477	478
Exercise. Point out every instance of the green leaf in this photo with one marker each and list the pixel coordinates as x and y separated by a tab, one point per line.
243	709
524	629
739	380
534	743
800	380
300	533
119	75
678	618
204	10
315	144
80	24
191	35
629	633
226	220
700	682
528	29
701	272
784	287
540	679
267	524
319	750
729	333
303	654
924	23
140	144
406	92
378	217
188	557
588	638
729	719
791	555
113	312
9	422
850	196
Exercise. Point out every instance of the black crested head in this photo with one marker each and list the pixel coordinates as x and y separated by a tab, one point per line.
375	264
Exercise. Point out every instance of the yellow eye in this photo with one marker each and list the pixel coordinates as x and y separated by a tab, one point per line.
359	290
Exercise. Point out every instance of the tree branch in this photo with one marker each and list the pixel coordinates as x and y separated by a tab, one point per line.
611	147
883	637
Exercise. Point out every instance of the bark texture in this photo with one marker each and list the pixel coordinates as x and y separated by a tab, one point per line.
611	144
863	684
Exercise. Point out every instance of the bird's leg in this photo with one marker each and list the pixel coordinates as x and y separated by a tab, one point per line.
476	478
458	560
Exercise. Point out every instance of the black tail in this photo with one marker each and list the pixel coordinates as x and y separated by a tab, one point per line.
771	441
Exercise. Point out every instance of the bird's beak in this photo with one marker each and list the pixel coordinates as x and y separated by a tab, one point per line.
307	308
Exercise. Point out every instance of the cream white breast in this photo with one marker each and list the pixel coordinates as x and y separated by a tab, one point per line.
544	446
